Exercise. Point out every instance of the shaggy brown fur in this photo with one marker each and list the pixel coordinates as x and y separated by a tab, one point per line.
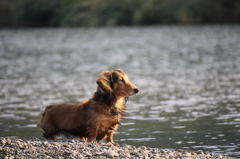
94	119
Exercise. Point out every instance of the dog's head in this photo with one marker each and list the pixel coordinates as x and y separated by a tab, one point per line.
116	83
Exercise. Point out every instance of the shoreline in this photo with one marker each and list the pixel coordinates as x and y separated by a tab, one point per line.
36	148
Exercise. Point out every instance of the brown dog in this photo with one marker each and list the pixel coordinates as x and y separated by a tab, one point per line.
94	119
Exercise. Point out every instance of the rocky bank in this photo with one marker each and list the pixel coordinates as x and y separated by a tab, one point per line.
73	149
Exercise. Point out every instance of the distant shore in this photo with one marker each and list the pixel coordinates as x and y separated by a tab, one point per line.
36	148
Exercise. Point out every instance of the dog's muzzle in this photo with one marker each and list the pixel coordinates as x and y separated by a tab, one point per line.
136	91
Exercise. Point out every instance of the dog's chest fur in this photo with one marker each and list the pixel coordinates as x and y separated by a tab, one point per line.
120	104
111	118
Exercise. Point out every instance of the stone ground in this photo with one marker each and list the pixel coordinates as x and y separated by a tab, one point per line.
72	149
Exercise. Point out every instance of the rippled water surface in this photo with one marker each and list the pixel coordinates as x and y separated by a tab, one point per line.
189	81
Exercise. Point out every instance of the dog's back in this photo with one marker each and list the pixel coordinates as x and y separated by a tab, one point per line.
62	119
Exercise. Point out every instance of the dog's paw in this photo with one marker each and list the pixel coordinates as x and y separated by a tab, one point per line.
115	144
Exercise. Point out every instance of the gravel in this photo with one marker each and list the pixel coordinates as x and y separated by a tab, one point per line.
11	148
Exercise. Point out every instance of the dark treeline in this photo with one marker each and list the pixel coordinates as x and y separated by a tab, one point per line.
62	13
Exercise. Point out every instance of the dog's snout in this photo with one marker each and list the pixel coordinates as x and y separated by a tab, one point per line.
136	91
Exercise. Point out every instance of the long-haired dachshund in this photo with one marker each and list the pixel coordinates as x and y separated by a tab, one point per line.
94	119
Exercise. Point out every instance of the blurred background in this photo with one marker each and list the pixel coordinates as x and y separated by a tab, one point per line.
183	55
74	13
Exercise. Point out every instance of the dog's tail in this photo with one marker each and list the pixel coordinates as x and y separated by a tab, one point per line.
39	124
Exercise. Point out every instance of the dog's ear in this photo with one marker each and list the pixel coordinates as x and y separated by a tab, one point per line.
104	81
120	71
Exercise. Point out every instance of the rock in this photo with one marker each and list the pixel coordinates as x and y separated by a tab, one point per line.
200	153
88	154
109	144
162	150
143	148
129	147
127	155
217	156
111	154
2	142
66	154
186	154
98	153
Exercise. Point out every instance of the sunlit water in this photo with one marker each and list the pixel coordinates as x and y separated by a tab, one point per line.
189	81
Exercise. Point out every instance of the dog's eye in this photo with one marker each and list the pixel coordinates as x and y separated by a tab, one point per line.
122	80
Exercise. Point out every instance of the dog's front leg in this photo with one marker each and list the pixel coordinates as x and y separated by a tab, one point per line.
93	132
110	134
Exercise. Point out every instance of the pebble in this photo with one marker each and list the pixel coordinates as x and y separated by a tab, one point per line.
111	154
144	148
73	149
217	156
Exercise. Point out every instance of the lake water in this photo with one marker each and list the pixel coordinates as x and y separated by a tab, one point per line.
188	76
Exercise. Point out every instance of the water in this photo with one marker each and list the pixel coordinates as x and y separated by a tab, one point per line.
188	76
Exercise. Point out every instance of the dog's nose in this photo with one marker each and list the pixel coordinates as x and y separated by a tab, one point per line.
136	91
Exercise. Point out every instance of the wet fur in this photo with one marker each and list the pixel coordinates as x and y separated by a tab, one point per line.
94	119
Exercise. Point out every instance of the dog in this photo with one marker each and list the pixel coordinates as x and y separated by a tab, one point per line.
94	119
